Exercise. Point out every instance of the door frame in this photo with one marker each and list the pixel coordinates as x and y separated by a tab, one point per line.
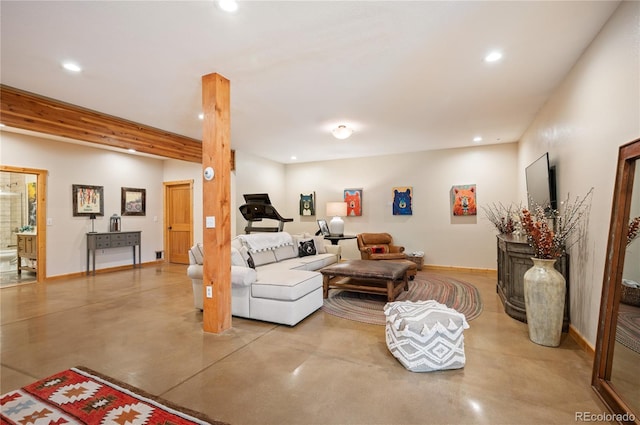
41	215
166	187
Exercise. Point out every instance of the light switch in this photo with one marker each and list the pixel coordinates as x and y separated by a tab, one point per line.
49	221
210	222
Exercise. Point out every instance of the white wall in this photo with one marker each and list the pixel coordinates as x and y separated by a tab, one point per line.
255	174
594	111
70	164
446	240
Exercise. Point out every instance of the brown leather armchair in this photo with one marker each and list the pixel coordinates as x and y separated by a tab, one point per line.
379	246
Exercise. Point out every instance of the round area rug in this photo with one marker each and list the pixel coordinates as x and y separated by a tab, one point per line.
369	308
628	329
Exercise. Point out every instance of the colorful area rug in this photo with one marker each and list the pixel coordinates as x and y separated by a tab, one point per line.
369	308
81	396
628	330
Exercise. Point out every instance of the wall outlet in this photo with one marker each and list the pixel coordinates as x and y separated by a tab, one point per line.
209	291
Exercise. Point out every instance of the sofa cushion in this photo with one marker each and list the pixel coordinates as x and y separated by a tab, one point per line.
236	258
259	258
316	262
287	285
376	238
196	255
243	276
285	252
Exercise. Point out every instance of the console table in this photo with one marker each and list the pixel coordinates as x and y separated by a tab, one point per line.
514	259
112	240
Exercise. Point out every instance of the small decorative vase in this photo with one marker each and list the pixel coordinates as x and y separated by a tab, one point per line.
544	298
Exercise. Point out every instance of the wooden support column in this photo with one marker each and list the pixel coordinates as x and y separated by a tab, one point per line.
216	199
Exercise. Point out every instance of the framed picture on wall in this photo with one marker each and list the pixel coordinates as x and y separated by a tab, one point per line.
353	198
133	201
403	200
308	204
87	200
463	200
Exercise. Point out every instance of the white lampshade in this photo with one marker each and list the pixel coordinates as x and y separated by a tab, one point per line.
337	210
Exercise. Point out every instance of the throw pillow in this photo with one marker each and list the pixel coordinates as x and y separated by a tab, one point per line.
250	261
236	258
319	242
379	249
247	257
306	248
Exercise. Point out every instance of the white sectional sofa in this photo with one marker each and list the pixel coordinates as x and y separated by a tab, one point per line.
283	286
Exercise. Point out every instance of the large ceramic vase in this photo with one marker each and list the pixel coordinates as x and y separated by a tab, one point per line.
544	294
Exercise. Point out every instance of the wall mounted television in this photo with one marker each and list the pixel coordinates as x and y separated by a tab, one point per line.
541	184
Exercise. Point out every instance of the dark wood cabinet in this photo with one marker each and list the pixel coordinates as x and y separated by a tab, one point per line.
514	259
108	240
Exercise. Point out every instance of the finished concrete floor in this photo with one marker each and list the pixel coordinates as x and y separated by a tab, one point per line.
139	326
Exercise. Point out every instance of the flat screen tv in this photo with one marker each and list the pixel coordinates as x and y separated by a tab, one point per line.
541	184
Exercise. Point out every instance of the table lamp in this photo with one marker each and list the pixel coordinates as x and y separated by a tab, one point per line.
337	210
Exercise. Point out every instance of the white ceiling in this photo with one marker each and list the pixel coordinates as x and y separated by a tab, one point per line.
406	75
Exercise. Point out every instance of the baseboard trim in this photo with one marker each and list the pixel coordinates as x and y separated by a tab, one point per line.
100	271
581	341
460	269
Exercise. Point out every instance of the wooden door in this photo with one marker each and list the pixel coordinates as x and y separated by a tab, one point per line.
178	220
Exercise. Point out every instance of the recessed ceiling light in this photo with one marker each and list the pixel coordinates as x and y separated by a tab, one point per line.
228	5
131	150
477	139
2	125
293	157
201	116
70	66
493	56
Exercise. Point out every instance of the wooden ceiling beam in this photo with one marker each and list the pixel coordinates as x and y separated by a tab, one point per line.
29	111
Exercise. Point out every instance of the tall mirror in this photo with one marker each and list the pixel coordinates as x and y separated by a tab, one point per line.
617	362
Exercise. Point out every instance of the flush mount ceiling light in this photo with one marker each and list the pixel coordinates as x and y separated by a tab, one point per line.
228	5
493	56
71	66
341	132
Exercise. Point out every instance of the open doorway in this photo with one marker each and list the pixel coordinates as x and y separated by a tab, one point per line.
22	225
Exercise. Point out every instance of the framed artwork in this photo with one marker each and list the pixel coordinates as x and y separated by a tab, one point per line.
353	198
308	204
31	203
463	200
402	200
133	201
87	200
324	227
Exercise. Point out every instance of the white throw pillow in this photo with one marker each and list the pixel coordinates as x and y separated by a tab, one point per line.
236	258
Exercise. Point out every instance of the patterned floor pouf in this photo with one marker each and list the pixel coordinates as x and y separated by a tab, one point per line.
425	335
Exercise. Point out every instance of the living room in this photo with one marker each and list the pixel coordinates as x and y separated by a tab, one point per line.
589	115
